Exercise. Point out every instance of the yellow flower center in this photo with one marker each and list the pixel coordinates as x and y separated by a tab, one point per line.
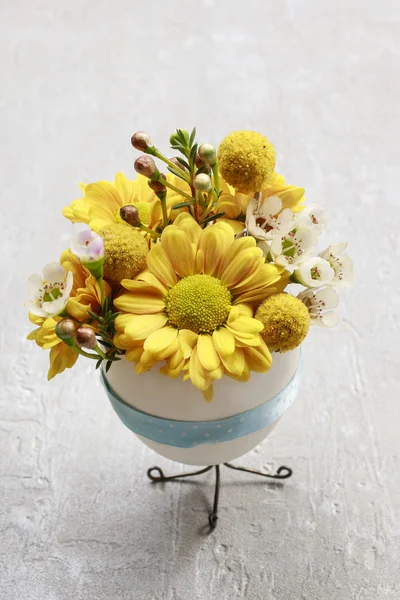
200	303
143	209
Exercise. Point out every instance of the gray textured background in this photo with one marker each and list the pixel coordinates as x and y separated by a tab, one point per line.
78	518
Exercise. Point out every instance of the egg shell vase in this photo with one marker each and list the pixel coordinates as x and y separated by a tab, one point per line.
160	396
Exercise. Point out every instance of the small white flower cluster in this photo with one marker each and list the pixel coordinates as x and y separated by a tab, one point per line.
49	292
289	239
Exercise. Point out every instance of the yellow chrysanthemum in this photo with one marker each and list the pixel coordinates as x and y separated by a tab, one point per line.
193	305
85	295
103	200
246	160
285	321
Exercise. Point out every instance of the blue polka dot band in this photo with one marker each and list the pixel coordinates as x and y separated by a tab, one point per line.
187	434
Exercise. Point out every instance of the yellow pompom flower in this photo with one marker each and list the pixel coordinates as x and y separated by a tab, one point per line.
193	305
125	252
103	200
246	160
285	321
85	295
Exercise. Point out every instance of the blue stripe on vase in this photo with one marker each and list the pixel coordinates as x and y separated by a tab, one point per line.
187	434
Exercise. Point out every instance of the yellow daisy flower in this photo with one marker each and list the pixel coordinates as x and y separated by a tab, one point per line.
85	295
193	305
103	200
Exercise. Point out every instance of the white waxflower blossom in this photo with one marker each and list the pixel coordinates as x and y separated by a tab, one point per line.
313	216
340	263
293	248
314	273
50	291
319	303
265	218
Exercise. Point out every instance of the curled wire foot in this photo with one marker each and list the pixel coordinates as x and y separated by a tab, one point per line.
281	473
161	477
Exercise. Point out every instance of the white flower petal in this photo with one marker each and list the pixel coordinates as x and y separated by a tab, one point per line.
329	319
328	296
270	207
35	286
54	273
69	282
35	309
55	307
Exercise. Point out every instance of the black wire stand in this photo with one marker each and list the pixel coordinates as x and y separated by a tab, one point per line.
281	473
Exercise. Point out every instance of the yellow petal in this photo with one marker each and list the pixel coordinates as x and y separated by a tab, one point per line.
245	310
217	373
185	222
178	248
142	326
187	341
160	266
235	362
214	242
122	321
224	341
139	304
207	353
258	359
208	393
237	226
199	261
134	354
246	325
148	277
160	340
237	247
241	266
142	287
196	372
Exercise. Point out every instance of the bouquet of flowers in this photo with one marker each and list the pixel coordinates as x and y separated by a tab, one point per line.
202	271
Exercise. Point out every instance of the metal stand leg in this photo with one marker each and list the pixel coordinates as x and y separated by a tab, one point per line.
281	473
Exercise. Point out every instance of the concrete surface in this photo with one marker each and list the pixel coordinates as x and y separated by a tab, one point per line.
78	518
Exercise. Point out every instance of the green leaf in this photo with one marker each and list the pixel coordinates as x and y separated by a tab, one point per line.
176	173
114	316
192	136
99	363
193	153
184	204
108	365
203	169
183	162
213	217
94	316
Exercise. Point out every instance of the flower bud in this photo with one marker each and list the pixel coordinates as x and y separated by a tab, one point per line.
145	165
178	164
130	215
202	182
208	154
65	330
141	141
86	338
199	162
157	186
174	137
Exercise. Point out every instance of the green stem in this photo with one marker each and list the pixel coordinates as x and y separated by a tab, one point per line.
174	188
163	200
101	286
181	172
216	177
86	354
148	230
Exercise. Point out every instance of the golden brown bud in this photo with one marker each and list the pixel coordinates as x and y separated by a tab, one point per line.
65	330
141	141
86	338
157	186
130	215
146	166
178	164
